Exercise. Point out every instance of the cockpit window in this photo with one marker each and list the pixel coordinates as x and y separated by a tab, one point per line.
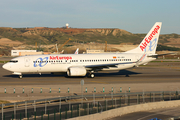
14	61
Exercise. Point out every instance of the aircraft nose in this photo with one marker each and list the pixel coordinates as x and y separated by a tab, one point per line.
6	66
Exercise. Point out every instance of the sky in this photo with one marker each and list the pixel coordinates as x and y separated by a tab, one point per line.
135	16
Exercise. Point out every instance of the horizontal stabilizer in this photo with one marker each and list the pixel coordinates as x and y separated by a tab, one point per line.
156	55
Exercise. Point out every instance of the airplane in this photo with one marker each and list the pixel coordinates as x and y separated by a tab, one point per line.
88	64
77	51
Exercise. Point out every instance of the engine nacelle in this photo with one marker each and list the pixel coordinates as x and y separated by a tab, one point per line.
76	71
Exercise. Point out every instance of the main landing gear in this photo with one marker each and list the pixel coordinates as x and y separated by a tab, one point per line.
91	74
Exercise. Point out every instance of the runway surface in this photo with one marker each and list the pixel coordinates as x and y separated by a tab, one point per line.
156	76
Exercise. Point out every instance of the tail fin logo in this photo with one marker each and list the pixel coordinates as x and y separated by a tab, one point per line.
149	38
152	45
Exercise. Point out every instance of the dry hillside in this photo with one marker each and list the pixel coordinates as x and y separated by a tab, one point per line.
44	39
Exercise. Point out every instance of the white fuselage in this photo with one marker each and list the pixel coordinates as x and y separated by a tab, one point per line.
61	62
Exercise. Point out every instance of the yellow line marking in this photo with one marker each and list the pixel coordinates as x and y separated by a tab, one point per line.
99	82
38	82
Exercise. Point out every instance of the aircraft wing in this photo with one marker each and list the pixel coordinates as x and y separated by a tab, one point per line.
101	66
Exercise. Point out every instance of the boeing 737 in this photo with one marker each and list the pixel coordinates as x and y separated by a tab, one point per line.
82	64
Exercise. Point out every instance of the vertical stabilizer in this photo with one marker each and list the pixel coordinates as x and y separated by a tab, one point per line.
77	51
149	43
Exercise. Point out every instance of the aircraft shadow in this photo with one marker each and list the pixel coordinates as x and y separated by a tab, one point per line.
34	75
120	72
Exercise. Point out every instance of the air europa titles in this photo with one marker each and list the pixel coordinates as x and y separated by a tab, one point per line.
60	58
148	39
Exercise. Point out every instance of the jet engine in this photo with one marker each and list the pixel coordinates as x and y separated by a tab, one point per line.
76	71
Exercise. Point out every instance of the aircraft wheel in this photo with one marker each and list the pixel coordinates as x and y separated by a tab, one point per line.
20	76
92	75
